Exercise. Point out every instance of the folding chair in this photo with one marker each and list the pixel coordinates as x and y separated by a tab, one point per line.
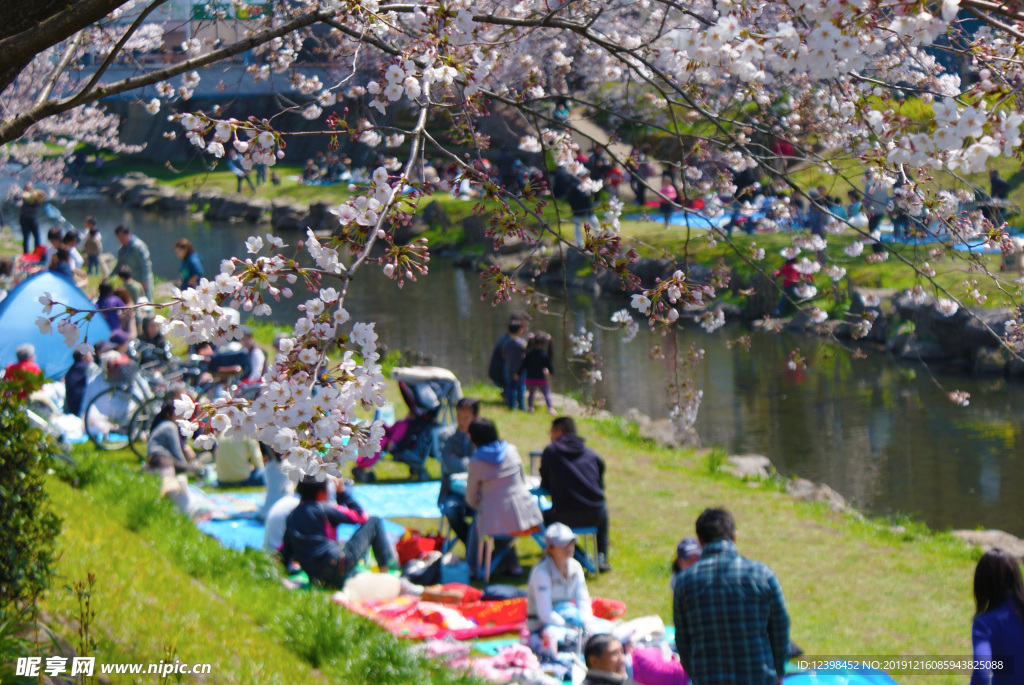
444	529
586	534
484	552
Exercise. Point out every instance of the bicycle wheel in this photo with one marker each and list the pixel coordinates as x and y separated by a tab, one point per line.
138	429
108	417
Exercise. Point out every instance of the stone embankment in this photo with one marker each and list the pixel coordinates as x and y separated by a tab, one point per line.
141	191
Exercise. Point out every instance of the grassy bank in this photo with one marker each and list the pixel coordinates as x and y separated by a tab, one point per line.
163	588
853	587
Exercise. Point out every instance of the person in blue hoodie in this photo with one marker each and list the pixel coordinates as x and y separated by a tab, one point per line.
496	488
998	631
574	475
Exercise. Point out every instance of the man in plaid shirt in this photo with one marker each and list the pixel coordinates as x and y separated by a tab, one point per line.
732	627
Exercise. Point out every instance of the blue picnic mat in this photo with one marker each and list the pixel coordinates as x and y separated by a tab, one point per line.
491	647
413	500
242	533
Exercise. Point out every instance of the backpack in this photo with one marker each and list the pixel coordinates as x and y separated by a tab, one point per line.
496	369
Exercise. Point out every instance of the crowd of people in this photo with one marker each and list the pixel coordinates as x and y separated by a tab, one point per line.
730	617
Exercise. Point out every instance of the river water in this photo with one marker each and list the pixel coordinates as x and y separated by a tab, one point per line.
882	433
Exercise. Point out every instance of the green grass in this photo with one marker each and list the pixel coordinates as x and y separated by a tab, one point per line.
162	588
852	586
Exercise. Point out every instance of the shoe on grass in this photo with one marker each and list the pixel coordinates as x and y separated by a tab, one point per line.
602	564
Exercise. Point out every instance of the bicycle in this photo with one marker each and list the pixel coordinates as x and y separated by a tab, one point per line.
142	420
124	412
108	414
119	416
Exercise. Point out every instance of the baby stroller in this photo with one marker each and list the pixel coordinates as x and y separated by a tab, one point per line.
430	393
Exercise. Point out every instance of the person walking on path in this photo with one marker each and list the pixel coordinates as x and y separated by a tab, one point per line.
93	246
538	369
235	167
581	202
191	266
496	367
135	254
668	197
732	627
31	201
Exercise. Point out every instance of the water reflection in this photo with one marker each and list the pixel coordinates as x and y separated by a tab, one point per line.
884	435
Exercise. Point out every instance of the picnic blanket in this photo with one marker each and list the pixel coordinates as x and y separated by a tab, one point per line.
412	500
235	505
409	617
242	533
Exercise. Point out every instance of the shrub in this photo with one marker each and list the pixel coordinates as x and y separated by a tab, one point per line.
27	526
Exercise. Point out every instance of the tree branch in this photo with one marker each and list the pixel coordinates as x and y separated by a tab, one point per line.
13	129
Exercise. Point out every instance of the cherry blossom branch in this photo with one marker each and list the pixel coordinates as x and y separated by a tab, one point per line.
11	129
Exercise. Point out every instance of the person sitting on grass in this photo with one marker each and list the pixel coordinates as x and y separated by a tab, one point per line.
556	593
165	437
239	463
606	662
310	538
277	514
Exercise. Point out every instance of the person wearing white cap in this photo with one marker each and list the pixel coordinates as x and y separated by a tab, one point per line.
556	593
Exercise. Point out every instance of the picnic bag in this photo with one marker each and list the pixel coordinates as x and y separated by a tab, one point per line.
414	545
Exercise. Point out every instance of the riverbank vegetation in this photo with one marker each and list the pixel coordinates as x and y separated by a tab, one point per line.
975	279
853	586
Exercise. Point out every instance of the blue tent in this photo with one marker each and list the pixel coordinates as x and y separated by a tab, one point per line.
18	314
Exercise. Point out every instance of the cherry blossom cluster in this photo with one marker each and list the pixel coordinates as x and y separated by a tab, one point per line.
624	320
254	141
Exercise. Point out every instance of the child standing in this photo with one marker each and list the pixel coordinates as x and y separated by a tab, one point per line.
93	247
537	367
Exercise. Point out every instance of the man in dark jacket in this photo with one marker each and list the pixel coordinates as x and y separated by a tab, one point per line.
310	538
581	202
496	368
574	475
75	381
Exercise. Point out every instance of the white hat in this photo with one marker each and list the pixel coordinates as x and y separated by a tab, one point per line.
559	535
